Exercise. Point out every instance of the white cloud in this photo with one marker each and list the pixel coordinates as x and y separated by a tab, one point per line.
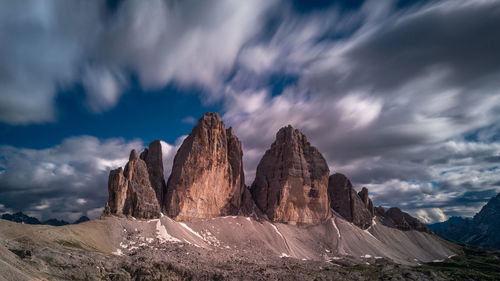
103	88
431	215
51	180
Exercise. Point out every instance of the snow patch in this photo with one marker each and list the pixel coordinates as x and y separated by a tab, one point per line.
336	228
283	255
366	256
191	230
248	219
163	235
277	231
377	258
123	245
118	252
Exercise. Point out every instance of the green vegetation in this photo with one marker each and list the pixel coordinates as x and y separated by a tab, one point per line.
69	244
473	264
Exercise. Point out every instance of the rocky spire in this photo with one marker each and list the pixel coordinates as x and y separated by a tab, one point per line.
154	161
345	201
207	178
363	194
130	191
291	180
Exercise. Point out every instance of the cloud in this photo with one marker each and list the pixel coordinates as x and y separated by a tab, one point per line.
390	103
189	120
103	88
402	100
62	181
56	44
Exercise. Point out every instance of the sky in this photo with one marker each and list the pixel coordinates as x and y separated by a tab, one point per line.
401	96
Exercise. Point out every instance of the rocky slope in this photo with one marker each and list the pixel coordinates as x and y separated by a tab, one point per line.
207	178
291	180
224	248
482	230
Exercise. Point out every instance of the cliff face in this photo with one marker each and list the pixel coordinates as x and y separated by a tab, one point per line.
292	183
345	201
152	156
130	191
291	180
207	177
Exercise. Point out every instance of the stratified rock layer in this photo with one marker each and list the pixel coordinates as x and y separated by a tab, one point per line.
345	201
207	178
291	180
130	191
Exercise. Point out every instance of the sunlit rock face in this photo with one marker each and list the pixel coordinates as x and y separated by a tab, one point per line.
130	191
345	201
207	178
291	180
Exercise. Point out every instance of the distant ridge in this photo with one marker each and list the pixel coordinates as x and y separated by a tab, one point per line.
481	230
20	217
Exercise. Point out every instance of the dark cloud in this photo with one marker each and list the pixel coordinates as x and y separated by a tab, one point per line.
402	98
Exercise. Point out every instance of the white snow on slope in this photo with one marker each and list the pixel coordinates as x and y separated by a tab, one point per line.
336	228
191	230
163	235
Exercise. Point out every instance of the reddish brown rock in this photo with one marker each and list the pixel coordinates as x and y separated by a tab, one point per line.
291	180
207	178
117	190
345	201
130	191
154	161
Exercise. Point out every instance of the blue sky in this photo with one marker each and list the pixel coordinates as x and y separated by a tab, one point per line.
401	96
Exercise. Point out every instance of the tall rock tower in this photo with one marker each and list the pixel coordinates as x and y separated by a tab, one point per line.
207	177
291	181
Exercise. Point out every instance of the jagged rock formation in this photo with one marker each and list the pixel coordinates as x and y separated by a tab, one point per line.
291	180
207	178
363	194
130	191
481	230
396	218
153	158
355	208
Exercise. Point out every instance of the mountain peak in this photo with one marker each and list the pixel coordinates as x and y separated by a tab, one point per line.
291	180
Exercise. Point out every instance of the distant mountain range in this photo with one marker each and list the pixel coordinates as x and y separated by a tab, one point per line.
20	217
481	230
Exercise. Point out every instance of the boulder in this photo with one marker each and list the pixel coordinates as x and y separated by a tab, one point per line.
291	181
207	178
345	201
